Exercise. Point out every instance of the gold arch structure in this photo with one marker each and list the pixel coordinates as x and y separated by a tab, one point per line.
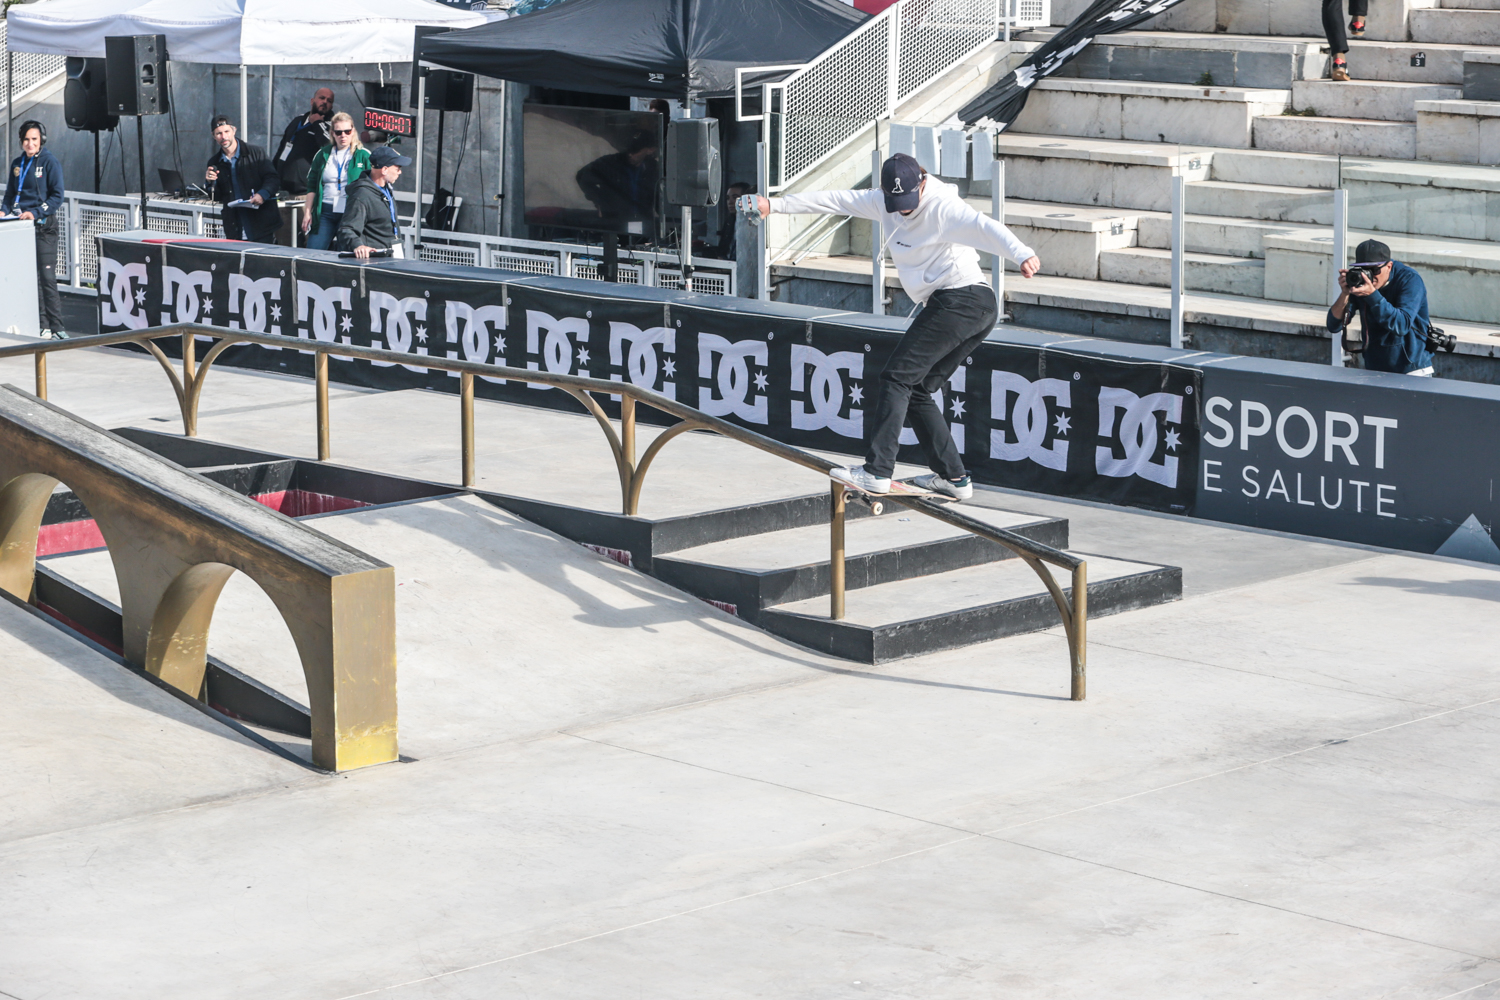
175	538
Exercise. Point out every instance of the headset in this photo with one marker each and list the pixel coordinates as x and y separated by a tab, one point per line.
33	124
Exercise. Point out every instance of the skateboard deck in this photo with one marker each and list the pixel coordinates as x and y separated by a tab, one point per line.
898	487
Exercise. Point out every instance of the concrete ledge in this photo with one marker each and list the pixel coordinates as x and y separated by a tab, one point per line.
1459	131
1336	136
1166	112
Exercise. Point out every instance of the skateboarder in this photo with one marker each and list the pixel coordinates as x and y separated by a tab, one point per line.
932	236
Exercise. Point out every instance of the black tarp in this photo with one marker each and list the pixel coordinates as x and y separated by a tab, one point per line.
999	106
668	48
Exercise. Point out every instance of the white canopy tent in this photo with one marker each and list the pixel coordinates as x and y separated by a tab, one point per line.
242	32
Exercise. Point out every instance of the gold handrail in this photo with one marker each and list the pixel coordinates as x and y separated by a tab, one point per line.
189	389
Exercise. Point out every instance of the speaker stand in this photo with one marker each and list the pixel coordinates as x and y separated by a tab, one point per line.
140	159
611	269
96	161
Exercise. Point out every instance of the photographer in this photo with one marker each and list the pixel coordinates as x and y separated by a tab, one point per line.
1391	301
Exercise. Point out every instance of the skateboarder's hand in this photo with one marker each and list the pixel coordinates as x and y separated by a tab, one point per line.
1031	266
763	205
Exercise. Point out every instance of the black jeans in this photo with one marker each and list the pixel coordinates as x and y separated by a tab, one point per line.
49	302
1333	21
953	323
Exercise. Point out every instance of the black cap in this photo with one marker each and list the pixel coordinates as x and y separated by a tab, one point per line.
385	156
1372	252
900	178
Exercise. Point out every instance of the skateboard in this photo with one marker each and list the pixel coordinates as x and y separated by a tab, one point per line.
876	501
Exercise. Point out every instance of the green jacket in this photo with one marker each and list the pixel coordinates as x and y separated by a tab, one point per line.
359	165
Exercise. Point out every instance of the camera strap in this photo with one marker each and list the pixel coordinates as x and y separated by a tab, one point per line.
1352	343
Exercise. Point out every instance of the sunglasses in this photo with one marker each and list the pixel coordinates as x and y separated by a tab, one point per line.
343	131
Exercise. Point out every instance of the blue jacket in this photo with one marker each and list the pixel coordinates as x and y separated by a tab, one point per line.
1394	321
41	190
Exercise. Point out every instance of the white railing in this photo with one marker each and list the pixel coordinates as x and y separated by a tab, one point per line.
29	69
887	60
86	216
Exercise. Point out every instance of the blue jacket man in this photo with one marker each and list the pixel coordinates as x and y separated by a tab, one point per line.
1392	308
34	192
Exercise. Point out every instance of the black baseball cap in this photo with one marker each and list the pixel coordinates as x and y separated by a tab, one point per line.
385	156
1372	252
900	178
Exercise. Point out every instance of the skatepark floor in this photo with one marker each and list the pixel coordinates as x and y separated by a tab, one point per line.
1281	786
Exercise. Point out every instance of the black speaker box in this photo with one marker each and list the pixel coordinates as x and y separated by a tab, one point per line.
447	90
694	174
85	105
136	74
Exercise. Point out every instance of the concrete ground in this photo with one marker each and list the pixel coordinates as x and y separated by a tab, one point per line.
1280	786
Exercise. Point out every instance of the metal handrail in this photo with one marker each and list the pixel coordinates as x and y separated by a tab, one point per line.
189	389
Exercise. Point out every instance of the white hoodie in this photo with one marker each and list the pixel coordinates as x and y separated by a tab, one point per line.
932	246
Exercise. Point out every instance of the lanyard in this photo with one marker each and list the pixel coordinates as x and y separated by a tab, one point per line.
390	202
26	162
338	167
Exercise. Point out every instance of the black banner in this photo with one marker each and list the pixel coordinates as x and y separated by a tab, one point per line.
999	106
1389	460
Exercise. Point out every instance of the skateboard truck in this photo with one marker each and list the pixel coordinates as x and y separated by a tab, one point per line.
877	507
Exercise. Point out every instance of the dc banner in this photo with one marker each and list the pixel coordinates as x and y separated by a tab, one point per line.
1069	424
998	107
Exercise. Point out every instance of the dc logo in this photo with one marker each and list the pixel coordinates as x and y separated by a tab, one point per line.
1130	423
825	391
725	366
393	317
956	386
646	362
119	296
473	328
185	292
564	340
257	303
1020	407
318	312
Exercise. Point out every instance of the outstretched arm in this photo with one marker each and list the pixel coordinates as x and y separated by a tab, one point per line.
967	226
861	204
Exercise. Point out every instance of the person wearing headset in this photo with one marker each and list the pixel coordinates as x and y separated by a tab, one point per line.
34	193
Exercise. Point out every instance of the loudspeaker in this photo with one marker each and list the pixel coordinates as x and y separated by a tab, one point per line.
449	90
136	74
694	175
85	106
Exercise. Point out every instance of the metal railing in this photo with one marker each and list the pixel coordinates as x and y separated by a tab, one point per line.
86	216
828	102
632	470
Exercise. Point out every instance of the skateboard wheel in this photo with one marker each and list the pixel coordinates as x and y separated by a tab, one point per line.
877	508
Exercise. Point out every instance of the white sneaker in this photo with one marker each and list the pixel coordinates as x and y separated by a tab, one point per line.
856	476
961	489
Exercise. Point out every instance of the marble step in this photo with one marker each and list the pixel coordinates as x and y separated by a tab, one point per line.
1370	99
1459	131
1458	27
1203	272
1462	276
1404	62
1185	57
1208	234
1395	140
1068	238
1388	20
962	607
1469	4
1265	202
1161	112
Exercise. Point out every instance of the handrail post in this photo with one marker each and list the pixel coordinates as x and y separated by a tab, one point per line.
627	455
320	370
1078	634
466	389
836	554
189	396
41	374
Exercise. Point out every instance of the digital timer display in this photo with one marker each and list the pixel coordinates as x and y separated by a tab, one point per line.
389	122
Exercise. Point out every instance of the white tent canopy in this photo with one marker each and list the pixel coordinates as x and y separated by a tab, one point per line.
244	32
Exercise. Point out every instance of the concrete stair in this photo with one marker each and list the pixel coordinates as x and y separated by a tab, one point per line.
1473	28
1336	136
1153	112
1372	99
1202	271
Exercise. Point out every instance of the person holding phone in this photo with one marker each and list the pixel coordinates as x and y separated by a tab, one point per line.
244	182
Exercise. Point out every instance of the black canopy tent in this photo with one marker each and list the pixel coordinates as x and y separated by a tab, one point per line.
686	49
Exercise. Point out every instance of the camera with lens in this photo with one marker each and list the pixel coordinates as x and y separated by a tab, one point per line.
1360	275
1437	340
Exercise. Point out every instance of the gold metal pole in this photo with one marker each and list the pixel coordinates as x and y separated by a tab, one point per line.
41	374
320	371
836	555
466	388
189	366
1078	639
627	454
